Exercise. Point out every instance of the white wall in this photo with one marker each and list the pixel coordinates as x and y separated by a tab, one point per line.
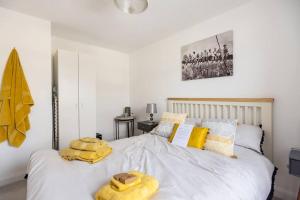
32	39
112	83
266	64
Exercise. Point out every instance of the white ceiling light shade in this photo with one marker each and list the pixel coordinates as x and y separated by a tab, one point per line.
132	6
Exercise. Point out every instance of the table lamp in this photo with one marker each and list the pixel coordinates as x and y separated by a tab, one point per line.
151	108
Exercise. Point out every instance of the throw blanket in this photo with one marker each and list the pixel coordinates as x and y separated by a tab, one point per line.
15	103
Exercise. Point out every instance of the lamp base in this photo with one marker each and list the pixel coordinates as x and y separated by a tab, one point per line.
151	117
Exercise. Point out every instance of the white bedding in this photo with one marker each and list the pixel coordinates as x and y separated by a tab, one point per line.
183	173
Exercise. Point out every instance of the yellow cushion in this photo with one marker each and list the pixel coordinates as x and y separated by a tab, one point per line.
221	136
219	144
173	117
142	191
197	138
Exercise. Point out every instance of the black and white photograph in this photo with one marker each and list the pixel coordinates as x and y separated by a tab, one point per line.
208	58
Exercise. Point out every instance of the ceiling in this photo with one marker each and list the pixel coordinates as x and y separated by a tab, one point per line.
99	22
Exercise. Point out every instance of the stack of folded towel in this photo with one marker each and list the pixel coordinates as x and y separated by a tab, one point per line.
87	149
128	186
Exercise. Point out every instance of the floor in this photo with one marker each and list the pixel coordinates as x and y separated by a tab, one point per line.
17	191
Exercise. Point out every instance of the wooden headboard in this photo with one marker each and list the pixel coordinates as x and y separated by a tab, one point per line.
252	111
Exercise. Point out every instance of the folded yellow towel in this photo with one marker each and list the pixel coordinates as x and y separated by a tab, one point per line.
91	140
141	189
86	149
88	144
87	156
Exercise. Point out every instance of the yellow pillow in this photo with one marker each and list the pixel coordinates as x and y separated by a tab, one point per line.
197	138
221	136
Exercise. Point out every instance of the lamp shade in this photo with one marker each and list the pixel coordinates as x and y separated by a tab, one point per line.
151	108
132	6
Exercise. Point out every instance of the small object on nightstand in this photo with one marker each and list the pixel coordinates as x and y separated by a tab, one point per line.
127	111
147	126
294	164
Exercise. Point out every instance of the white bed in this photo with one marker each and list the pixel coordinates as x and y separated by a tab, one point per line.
183	173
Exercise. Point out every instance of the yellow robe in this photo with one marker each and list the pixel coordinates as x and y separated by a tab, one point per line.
15	102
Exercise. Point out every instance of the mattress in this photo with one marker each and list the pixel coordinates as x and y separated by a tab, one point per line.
183	173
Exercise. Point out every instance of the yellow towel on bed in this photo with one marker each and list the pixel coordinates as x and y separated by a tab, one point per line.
88	144
15	102
146	188
87	156
86	149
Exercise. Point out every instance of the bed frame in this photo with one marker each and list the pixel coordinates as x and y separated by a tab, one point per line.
253	111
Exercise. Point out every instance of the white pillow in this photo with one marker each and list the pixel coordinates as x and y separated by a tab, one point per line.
249	136
193	121
223	127
164	129
182	135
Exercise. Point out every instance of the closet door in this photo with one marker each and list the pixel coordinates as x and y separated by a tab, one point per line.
87	95
67	82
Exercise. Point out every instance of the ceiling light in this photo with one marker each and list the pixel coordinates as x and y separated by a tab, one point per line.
132	6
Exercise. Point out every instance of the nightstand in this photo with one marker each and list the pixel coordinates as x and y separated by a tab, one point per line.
147	126
294	164
130	125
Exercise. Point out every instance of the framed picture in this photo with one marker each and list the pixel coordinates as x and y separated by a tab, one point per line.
208	58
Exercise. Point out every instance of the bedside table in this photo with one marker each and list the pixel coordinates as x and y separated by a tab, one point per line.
146	126
130	125
294	164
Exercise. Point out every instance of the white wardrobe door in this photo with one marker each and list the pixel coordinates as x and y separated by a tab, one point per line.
87	95
67	70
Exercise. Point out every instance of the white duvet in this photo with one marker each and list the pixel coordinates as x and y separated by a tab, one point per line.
183	173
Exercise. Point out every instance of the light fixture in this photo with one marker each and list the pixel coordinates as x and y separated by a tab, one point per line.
151	108
132	6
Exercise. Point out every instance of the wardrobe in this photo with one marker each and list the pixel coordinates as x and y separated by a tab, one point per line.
74	83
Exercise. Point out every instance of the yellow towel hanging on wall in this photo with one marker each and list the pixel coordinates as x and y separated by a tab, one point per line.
15	102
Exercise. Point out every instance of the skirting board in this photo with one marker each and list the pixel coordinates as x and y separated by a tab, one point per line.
15	178
284	194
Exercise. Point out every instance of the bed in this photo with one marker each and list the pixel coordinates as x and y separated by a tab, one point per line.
183	173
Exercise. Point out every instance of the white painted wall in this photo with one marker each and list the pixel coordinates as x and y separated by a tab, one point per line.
266	64
266	48
32	38
112	82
